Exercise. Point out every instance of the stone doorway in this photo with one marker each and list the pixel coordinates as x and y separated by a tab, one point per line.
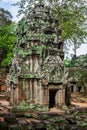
79	88
52	94
72	88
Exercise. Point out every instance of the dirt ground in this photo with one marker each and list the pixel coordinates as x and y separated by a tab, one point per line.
79	99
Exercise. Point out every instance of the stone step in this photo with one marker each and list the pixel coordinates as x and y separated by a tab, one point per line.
2	108
13	127
2	97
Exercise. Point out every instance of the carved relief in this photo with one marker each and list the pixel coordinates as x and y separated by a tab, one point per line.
53	68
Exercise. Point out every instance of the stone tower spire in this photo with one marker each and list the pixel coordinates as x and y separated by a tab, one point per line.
38	55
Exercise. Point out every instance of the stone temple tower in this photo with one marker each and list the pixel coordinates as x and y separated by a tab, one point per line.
37	65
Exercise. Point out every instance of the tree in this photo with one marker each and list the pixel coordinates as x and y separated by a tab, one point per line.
5	17
7	37
79	75
78	70
72	20
81	61
71	15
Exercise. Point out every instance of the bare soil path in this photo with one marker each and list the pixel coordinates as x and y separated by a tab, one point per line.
79	99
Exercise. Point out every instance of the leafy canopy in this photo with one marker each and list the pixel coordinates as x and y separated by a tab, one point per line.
7	37
70	13
72	16
5	17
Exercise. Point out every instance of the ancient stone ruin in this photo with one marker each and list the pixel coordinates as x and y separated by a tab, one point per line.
37	72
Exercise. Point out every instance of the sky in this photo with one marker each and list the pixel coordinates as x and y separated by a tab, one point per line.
7	4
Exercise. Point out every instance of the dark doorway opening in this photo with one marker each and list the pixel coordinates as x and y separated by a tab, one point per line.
67	96
52	94
72	88
79	88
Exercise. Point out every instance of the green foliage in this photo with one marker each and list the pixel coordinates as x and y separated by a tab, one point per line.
23	106
23	53
7	38
81	73
5	17
27	74
72	19
81	61
67	63
39	49
40	125
71	16
51	127
78	69
39	108
7	60
21	24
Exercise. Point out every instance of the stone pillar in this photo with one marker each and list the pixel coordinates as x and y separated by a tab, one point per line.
67	95
63	95
30	90
82	89
45	96
35	90
27	89
23	89
11	99
75	88
16	97
41	94
36	65
20	89
38	96
31	64
60	98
